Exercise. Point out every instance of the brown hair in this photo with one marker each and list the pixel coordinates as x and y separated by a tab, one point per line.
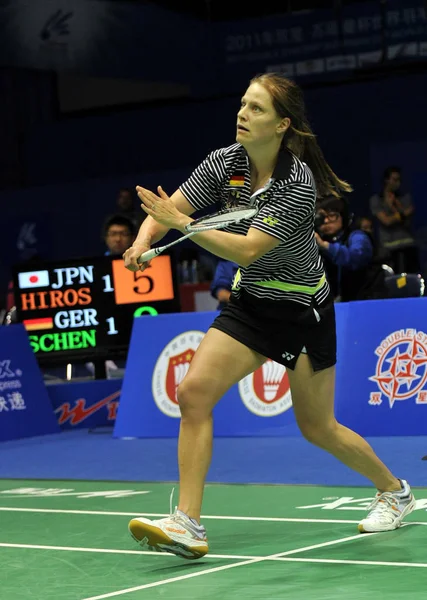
288	101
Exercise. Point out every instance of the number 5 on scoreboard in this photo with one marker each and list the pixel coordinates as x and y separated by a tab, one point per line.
153	284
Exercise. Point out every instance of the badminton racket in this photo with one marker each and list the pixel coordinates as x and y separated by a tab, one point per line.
217	220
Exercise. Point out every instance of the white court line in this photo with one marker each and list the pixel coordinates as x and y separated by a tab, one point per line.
353	562
213	517
251	561
63	494
145	514
209	556
115	551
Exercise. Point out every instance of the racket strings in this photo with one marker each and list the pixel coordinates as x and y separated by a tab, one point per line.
218	220
223	218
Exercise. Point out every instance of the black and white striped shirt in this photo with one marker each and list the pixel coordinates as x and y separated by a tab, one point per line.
293	270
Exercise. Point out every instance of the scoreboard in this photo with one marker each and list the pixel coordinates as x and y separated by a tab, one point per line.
83	309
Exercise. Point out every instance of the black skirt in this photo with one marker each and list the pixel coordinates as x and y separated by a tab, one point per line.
281	330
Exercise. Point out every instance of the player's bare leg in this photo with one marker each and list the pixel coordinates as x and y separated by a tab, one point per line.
313	402
219	363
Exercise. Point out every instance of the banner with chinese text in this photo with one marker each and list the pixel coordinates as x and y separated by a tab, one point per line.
127	40
25	408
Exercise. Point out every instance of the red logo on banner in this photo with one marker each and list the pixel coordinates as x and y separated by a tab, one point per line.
79	412
171	367
271	382
401	369
266	392
177	369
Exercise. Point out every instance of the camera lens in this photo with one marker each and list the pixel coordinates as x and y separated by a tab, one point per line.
319	219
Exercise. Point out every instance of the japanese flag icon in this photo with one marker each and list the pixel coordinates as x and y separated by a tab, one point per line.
33	279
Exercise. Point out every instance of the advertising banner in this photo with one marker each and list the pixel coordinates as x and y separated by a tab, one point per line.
159	356
87	404
25	408
381	376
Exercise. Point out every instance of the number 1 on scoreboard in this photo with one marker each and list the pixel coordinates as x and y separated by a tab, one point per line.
111	326
107	281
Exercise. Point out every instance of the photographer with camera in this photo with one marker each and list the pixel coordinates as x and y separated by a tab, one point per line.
348	253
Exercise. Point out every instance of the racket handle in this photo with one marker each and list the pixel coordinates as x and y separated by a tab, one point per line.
146	256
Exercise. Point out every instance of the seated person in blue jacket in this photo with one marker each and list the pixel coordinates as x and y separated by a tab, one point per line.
348	253
222	281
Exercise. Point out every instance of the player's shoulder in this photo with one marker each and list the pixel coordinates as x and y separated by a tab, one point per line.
226	153
295	179
301	172
292	171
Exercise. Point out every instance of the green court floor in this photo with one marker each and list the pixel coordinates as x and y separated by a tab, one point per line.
68	540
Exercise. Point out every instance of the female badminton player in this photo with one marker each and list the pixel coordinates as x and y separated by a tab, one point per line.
281	305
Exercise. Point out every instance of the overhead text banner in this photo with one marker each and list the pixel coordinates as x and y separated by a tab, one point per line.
132	40
322	44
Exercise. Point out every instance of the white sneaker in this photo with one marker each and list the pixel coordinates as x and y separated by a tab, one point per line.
388	510
177	534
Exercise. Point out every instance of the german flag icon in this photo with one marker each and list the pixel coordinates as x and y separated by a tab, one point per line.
42	323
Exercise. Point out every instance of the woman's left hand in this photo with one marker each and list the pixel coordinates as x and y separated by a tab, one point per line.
160	207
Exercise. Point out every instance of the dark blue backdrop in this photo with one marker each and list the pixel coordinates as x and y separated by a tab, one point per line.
356	127
74	166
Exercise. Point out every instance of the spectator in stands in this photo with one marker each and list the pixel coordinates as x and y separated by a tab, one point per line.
348	253
118	233
129	206
393	210
223	281
365	224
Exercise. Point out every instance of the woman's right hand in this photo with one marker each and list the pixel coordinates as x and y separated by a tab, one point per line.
131	257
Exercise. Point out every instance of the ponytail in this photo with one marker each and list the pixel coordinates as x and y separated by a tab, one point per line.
288	101
303	143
